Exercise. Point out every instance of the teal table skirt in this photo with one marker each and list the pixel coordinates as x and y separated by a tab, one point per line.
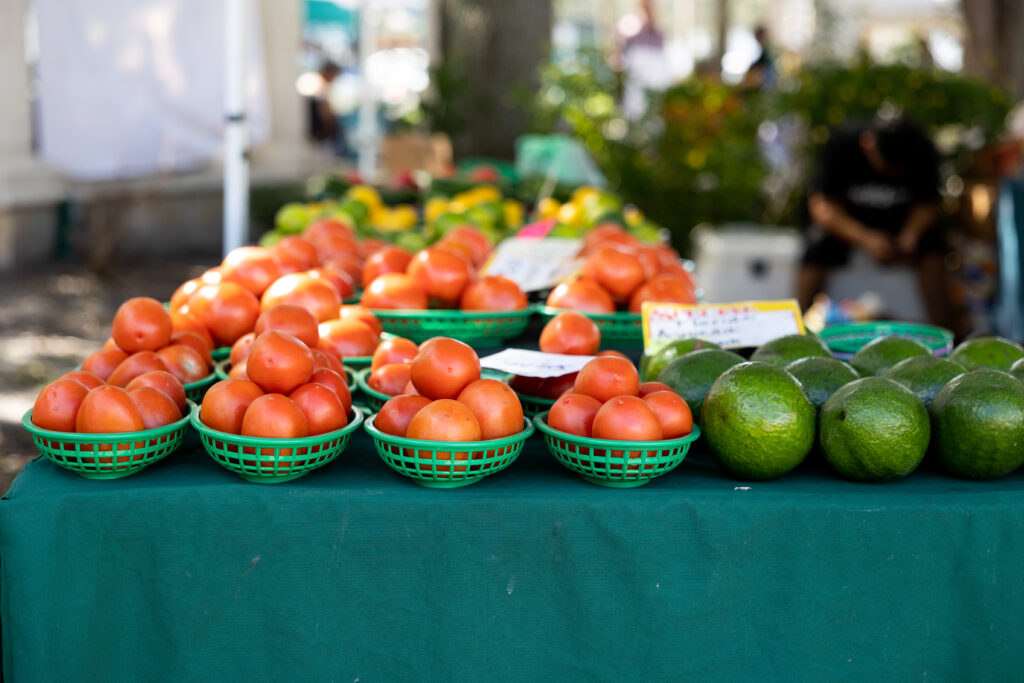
185	572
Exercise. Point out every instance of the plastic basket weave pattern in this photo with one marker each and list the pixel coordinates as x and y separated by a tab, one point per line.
616	464
271	461
466	326
221	353
439	464
617	329
535	405
107	456
374	399
846	339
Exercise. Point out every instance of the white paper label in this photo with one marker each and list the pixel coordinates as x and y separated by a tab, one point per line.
533	263
534	363
749	323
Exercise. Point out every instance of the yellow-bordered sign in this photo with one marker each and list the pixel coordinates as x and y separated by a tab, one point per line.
733	325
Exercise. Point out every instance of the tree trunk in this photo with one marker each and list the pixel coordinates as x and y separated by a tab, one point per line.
994	48
497	46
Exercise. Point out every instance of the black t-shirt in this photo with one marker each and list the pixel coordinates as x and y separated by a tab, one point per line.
876	200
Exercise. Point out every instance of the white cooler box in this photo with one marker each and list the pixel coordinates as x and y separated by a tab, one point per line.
742	262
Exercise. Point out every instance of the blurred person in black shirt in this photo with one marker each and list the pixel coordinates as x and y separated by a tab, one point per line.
877	189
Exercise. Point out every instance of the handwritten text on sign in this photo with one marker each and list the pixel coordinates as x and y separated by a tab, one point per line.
746	323
534	263
534	363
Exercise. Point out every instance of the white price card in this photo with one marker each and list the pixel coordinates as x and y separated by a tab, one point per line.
534	263
735	325
534	363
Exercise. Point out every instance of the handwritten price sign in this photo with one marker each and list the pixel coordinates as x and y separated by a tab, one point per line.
534	363
746	323
534	263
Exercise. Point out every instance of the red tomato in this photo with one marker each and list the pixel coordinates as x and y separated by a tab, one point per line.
274	416
133	366
673	413
163	382
443	420
287	263
602	233
299	248
472	237
493	293
103	363
395	415
528	386
389	379
141	324
87	379
460	249
496	407
553	387
323	409
394	291
184	292
227	309
627	418
346	338
186	322
238	371
241	349
574	414
677	272
570	333
252	267
648	388
225	403
440	274
184	362
347	261
662	289
109	344
617	271
388	260
279	363
606	377
342	252
300	289
327	359
371	246
211	276
108	410
56	406
295	320
342	282
581	295
667	256
444	367
155	408
394	350
196	343
410	390
352	312
336	383
323	229
615	354
649	260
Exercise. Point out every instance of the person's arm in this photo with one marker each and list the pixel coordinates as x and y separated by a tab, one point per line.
921	218
833	218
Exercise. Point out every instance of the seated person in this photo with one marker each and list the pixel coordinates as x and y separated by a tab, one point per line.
877	190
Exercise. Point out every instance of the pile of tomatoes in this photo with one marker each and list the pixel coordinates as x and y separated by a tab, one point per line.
447	400
607	401
568	333
135	382
621	273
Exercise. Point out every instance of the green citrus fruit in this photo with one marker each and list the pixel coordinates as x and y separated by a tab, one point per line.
652	365
692	374
821	377
880	354
924	375
987	352
784	350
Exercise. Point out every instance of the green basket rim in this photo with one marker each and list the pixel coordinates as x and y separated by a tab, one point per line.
618	316
467	446
364	386
94	438
204	382
220	368
541	420
263	442
221	352
350	378
849	337
441	314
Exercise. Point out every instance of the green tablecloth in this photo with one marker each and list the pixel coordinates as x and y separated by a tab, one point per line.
353	573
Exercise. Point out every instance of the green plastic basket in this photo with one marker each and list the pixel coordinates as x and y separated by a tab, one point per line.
123	454
374	399
471	327
616	464
350	379
221	368
272	461
535	405
445	465
221	353
617	329
194	391
847	339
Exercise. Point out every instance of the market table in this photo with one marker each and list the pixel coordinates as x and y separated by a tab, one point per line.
353	573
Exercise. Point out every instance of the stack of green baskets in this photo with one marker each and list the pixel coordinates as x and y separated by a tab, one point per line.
194	391
488	328
271	461
617	464
374	399
107	456
617	329
439	464
847	339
